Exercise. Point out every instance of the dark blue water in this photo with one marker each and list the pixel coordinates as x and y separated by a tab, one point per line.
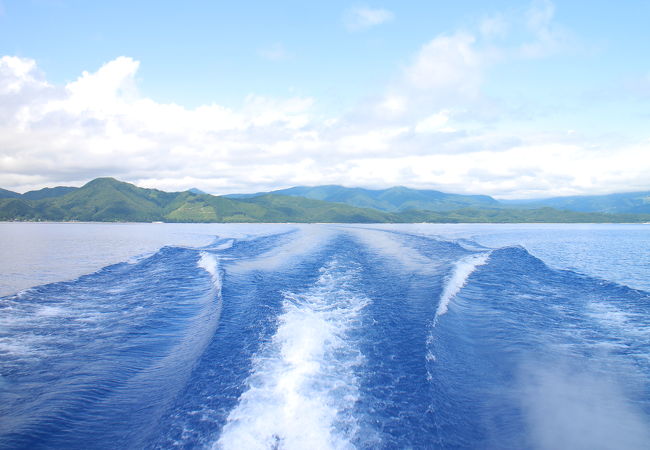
327	337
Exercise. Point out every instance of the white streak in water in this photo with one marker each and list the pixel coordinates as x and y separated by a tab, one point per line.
304	241
224	245
396	250
209	263
304	386
458	278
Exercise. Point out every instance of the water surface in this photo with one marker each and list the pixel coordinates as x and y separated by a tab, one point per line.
325	336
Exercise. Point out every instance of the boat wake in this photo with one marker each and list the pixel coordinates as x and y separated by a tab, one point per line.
327	337
303	386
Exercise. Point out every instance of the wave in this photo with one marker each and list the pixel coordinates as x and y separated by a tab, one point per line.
323	337
210	264
285	249
125	345
303	384
224	245
458	278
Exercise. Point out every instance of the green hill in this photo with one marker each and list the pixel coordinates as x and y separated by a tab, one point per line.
395	199
400	199
623	203
513	215
58	191
4	193
110	200
283	208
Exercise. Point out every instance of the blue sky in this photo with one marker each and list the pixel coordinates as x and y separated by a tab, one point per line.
330	92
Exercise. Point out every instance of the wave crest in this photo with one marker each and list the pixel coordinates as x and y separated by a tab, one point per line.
458	278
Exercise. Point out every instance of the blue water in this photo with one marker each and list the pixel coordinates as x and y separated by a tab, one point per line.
332	336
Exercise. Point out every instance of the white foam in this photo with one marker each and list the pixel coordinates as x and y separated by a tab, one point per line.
303	241
50	311
304	386
224	245
463	268
621	323
210	264
394	249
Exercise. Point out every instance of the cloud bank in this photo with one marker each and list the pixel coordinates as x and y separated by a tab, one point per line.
433	126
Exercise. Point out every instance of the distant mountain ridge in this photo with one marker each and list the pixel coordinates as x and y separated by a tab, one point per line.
110	200
400	199
39	194
107	199
49	192
395	199
621	203
4	193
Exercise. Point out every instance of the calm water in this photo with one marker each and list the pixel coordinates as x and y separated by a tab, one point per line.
324	336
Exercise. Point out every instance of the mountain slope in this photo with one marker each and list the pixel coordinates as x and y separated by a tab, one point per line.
38	194
109	200
513	215
623	203
58	191
4	193
395	199
283	208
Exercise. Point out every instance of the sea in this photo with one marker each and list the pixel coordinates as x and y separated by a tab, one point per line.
324	336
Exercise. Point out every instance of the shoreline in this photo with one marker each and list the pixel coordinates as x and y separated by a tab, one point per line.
320	223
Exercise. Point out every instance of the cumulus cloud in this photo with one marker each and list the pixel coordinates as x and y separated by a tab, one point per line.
362	18
425	130
447	62
447	72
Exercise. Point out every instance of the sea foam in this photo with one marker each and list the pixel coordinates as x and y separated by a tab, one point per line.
210	264
458	278
304	386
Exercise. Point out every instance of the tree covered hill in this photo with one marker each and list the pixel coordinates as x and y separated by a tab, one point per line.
622	203
110	200
107	199
395	199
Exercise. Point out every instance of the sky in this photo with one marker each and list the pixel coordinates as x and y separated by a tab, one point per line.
512	99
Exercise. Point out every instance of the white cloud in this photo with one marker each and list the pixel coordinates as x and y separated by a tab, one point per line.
423	131
17	74
447	62
435	123
450	70
392	105
362	18
105	91
99	125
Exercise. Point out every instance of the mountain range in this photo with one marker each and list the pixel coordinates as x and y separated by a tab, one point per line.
622	203
395	199
107	199
399	198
